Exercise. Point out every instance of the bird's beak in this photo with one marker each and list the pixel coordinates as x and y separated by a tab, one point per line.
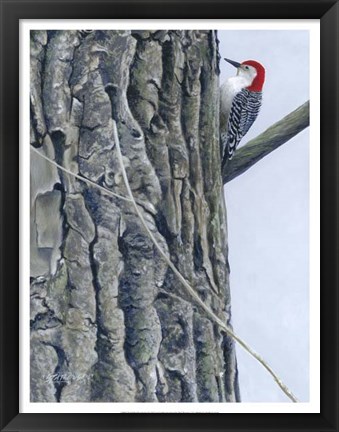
233	63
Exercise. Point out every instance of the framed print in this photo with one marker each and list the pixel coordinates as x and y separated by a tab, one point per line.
171	262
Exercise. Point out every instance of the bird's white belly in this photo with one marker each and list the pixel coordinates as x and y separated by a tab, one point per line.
228	90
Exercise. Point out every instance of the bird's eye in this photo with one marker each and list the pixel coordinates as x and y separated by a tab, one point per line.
246	67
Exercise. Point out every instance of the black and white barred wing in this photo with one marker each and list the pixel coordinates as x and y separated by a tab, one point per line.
245	109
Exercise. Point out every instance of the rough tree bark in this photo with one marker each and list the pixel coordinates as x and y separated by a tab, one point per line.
109	321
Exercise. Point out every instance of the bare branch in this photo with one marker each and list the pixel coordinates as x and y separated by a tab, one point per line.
265	143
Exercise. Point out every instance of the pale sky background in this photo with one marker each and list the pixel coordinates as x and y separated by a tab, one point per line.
268	223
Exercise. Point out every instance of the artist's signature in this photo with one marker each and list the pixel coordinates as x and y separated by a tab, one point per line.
68	377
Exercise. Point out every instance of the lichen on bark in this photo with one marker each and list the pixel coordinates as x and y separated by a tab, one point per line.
109	321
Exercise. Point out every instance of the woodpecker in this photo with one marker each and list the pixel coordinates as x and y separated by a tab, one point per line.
240	102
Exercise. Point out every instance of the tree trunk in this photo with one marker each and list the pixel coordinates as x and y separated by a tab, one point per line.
110	322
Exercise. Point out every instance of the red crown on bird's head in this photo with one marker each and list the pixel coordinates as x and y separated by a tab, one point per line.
259	80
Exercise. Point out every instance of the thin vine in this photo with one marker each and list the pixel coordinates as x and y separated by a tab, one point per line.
184	282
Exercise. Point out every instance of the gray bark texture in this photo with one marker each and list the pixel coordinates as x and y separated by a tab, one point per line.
109	321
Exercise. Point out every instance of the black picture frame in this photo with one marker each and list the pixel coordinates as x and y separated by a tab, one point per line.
14	10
